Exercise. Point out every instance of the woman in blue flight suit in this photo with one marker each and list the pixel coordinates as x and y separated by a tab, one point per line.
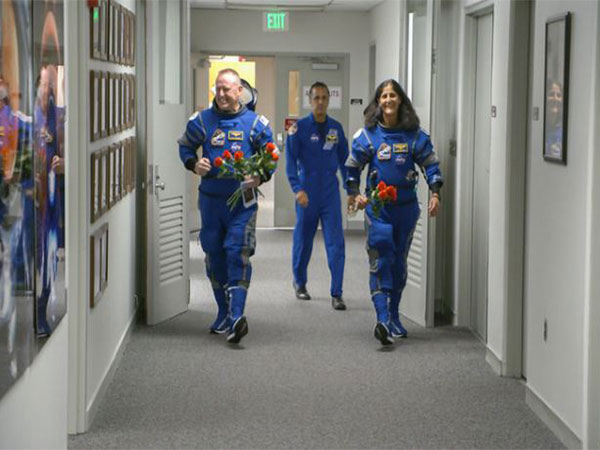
392	144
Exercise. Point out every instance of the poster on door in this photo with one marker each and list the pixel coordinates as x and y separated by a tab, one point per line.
335	97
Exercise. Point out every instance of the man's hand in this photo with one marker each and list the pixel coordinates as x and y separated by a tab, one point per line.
251	181
356	202
202	167
434	205
58	164
302	198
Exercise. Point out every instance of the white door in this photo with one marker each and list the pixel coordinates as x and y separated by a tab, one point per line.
481	176
418	297
294	75
167	265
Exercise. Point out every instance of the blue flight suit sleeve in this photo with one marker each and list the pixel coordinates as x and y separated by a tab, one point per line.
343	157
291	160
193	137
426	158
360	155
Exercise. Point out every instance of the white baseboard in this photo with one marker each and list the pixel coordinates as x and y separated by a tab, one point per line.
552	420
493	361
92	407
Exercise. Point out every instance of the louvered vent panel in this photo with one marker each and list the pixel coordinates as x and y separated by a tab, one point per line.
171	239
415	257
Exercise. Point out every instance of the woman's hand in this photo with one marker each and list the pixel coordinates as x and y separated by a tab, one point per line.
434	205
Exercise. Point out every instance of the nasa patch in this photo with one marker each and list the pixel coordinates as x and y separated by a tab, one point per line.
218	138
384	153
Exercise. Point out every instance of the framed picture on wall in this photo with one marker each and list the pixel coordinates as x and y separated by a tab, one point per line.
95	186
556	88
95	105
103	181
118	103
132	40
98	30
110	102
104	104
119	170
98	264
112	167
132	99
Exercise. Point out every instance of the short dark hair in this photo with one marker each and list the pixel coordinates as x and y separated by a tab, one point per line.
317	84
407	117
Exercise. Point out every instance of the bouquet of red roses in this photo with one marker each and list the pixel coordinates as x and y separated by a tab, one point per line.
381	195
261	164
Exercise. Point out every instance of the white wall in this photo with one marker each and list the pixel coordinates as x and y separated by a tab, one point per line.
386	27
310	33
108	322
33	413
558	216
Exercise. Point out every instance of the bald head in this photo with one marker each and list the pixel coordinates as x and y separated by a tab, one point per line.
228	90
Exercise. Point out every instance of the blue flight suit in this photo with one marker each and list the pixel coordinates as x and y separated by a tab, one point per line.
392	156
314	152
48	128
228	237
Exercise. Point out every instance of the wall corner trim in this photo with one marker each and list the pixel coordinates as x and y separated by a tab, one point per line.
552	420
92	407
494	362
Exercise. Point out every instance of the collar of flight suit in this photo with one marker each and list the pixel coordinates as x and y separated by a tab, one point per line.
227	114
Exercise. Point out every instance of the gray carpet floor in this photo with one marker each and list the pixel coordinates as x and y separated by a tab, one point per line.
307	376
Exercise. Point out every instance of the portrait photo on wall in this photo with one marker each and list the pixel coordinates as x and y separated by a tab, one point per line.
556	88
17	328
49	151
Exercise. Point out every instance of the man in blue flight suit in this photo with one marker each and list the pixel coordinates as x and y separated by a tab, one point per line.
316	147
227	235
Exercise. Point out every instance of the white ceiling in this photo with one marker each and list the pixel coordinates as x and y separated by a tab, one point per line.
308	5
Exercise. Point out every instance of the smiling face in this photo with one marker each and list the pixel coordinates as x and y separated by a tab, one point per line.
228	91
389	101
555	99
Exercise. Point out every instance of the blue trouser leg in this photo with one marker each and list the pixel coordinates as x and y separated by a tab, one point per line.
212	236
333	234
240	243
307	220
381	249
406	218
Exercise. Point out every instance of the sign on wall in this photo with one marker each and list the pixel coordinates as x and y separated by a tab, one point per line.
335	97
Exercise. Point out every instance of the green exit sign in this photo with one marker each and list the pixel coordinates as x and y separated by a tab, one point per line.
276	21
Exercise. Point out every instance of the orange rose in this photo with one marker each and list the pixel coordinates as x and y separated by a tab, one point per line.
227	154
270	147
218	161
274	156
382	195
381	186
238	155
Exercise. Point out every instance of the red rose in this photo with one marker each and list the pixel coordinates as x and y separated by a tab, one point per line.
381	186
270	147
218	161
382	195
274	156
391	192
238	155
394	194
227	154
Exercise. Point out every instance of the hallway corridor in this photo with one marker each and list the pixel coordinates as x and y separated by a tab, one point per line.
307	376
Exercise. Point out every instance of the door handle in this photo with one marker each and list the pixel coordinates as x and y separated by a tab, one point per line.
160	185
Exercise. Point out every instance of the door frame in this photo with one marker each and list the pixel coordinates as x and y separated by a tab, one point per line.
511	129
